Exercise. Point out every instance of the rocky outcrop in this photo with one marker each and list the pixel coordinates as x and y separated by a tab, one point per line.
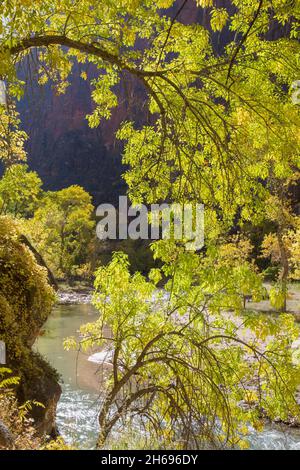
26	299
6	437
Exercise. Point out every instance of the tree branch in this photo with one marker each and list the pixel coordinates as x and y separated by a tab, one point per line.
243	40
48	40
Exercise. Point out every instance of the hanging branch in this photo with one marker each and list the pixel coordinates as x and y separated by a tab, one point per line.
242	41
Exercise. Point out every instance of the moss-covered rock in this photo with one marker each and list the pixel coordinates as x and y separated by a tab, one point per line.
26	299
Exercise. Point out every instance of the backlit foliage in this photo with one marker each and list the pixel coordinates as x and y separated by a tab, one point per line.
189	373
20	190
292	242
12	139
62	228
221	129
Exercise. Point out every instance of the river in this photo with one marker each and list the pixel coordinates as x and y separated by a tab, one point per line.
79	403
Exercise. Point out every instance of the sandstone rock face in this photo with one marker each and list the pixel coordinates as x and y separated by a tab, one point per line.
63	149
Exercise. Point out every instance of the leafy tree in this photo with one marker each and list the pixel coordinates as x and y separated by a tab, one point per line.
221	127
280	212
272	248
181	367
12	139
207	116
62	228
20	191
235	253
294	236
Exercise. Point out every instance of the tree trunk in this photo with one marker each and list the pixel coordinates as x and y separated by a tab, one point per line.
40	260
284	260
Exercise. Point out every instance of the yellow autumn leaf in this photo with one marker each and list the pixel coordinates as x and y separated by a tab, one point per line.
205	3
219	17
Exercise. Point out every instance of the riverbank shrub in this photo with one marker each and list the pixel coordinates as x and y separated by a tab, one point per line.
16	430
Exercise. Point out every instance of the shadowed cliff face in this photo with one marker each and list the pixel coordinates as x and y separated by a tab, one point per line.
64	150
61	146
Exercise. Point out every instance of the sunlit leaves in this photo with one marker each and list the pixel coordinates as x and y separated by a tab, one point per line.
12	138
205	3
164	3
104	98
196	359
62	228
219	17
19	191
6	379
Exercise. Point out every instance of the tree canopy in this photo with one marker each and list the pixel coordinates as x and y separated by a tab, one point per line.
19	191
62	228
211	136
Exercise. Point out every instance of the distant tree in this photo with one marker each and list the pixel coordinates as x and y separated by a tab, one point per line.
235	252
62	228
12	138
20	191
277	245
139	253
273	248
